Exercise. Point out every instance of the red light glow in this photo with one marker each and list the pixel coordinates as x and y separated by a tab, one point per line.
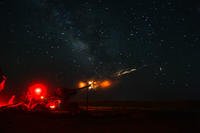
2	84
38	91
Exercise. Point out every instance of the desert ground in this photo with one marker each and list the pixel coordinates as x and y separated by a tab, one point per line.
131	117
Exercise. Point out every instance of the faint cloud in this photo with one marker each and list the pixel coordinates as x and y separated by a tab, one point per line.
79	46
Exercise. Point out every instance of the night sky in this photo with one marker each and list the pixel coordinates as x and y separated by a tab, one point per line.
60	42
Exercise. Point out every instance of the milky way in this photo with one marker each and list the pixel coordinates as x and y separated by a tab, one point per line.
65	41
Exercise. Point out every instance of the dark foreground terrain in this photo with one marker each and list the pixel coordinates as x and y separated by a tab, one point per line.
103	120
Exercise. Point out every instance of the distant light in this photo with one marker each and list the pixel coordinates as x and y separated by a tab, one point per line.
38	90
90	82
52	106
90	87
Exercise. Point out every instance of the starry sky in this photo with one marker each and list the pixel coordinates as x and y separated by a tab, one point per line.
60	42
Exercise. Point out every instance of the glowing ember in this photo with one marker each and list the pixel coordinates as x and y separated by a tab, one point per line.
42	97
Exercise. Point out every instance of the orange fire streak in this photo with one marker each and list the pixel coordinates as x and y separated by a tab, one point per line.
105	84
82	84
